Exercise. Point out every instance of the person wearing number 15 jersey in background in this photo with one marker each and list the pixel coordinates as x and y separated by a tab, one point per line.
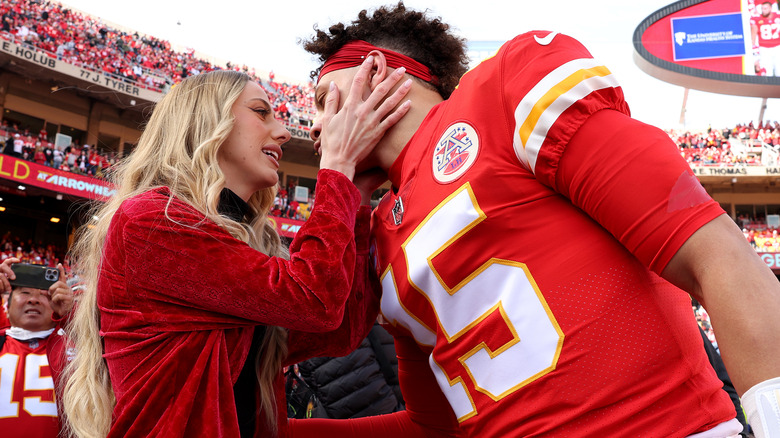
534	245
32	355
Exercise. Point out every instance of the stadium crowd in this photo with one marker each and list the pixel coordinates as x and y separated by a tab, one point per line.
763	239
703	318
30	252
87	42
294	103
83	160
286	206
152	63
143	60
737	146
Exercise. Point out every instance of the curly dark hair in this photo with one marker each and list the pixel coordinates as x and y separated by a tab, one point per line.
403	30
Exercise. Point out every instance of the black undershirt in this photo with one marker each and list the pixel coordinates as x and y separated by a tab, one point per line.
246	388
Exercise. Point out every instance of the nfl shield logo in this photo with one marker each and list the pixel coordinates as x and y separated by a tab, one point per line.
398	211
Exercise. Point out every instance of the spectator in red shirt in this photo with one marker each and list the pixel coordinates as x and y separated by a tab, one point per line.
95	161
39	157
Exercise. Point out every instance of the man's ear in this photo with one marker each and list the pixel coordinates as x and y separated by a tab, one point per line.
379	69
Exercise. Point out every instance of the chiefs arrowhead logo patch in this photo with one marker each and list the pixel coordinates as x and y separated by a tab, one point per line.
455	152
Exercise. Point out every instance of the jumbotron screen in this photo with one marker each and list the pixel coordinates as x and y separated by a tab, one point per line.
698	43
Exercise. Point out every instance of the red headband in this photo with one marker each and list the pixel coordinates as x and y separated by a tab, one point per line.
354	52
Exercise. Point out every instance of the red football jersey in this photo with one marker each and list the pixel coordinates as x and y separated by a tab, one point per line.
27	403
514	251
768	29
4	323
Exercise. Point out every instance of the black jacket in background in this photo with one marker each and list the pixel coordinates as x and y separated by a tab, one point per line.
355	385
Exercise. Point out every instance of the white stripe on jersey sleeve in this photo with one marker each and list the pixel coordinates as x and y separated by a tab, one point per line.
531	106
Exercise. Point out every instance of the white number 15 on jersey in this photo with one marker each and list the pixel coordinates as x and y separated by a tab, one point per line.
499	285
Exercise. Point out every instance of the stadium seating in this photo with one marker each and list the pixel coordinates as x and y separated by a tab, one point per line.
743	145
142	60
27	252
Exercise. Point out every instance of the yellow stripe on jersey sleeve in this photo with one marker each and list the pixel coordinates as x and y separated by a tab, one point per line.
540	108
552	95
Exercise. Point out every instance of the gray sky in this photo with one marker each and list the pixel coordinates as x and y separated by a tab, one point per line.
263	35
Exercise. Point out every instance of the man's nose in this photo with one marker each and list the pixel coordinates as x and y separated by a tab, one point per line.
316	130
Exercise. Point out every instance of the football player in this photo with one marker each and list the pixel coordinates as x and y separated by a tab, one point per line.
538	246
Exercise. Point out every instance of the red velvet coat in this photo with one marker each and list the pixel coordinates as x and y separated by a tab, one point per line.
179	298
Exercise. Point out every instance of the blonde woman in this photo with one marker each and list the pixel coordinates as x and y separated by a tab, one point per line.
183	269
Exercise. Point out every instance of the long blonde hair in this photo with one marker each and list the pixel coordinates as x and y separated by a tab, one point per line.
177	149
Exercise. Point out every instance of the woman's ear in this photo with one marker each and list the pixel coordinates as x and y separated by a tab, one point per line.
379	69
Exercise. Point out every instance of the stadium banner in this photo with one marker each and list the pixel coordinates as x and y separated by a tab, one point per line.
710	36
47	60
772	259
27	173
736	171
285	227
33	174
298	131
